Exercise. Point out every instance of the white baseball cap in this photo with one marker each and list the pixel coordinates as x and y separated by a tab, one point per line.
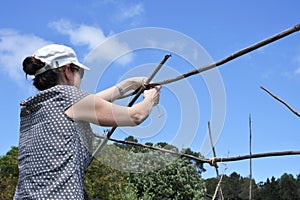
55	56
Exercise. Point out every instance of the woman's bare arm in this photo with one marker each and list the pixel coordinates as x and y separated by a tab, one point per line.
97	110
117	91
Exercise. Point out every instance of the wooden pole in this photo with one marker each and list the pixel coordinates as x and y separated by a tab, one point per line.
250	153
211	161
234	55
258	155
281	101
178	154
213	148
220	194
219	185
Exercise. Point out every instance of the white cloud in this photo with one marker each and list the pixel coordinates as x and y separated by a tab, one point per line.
129	12
93	37
111	50
79	35
14	47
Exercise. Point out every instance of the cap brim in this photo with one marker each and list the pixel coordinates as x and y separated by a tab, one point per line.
81	65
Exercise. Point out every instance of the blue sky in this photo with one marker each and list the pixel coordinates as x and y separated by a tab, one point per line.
221	28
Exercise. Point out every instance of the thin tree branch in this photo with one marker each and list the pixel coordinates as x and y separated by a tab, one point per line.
219	184
234	55
211	161
213	148
250	153
202	160
220	193
258	155
281	101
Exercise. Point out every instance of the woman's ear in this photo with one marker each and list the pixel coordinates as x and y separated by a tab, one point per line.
67	74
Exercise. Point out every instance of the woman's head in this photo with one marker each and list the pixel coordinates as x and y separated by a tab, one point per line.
52	65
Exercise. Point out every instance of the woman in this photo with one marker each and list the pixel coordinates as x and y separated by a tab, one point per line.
55	133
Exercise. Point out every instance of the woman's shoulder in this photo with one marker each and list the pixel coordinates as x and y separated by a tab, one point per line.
69	90
60	91
61	88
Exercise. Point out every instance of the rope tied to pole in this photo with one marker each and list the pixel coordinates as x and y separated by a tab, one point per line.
213	162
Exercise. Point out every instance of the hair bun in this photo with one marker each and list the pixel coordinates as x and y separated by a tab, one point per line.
32	64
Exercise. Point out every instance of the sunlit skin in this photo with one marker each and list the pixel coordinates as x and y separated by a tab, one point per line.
99	109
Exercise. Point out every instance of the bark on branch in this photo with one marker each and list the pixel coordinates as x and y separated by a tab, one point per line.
234	55
258	155
211	161
156	148
281	101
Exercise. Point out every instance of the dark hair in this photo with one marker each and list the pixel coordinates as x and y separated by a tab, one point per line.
42	81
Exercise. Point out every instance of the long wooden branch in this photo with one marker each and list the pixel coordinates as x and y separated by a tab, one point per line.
156	148
250	153
281	101
218	189
258	155
234	55
211	161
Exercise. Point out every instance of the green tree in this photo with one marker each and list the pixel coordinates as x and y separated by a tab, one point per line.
199	164
288	187
269	190
104	182
245	183
106	177
9	173
154	175
298	186
177	180
211	184
231	186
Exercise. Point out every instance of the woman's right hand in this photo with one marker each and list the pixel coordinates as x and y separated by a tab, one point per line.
153	94
131	84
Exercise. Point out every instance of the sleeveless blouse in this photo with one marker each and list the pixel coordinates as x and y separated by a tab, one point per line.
54	150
